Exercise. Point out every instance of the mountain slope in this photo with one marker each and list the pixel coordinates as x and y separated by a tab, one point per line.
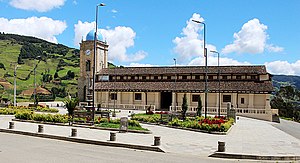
283	80
57	66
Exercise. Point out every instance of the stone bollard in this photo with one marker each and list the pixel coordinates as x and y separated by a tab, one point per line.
112	136
156	140
221	146
40	128
73	132
11	125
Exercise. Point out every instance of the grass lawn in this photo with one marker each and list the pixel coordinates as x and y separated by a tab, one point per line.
113	125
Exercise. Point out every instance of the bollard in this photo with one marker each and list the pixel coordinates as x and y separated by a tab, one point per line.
156	140
221	146
11	125
40	128
112	136
73	132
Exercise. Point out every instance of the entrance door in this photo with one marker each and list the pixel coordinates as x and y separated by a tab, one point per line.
165	100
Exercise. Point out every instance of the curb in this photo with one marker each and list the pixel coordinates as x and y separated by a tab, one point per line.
84	141
81	126
254	157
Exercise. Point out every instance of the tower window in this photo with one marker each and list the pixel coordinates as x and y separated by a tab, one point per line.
88	65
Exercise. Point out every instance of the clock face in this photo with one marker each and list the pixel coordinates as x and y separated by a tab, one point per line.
88	52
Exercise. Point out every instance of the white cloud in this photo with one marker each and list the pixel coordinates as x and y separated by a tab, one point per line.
283	67
273	48
114	11
119	39
75	2
252	39
43	27
190	45
38	5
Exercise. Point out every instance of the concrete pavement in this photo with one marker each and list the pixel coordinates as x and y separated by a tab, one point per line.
290	127
247	137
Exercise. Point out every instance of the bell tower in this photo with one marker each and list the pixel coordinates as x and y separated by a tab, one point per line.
87	60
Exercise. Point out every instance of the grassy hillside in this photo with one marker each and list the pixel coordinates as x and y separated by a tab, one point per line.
285	80
54	58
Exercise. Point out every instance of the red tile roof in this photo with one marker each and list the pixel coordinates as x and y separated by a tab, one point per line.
188	85
186	70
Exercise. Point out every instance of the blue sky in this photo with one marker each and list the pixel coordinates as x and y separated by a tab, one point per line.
152	33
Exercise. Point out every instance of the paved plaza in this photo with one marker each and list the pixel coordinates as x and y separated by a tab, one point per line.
246	137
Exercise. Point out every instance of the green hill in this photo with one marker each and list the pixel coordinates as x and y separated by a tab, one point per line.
57	66
286	80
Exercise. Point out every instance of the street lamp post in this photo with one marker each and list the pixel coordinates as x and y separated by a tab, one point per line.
94	64
219	93
206	69
175	101
15	83
34	94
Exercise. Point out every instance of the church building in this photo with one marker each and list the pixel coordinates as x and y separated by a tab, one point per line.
247	88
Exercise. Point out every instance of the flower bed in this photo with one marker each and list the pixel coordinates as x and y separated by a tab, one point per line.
29	115
105	122
217	124
59	118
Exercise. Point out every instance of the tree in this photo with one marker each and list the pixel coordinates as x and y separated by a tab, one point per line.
2	66
286	101
199	107
71	104
70	75
55	75
184	106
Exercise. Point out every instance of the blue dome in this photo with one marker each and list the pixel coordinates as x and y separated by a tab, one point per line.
90	36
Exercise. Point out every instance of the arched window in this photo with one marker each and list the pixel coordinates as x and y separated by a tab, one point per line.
88	65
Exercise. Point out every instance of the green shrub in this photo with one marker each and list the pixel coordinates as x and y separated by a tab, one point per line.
115	121
26	115
7	111
38	117
175	122
50	110
225	127
40	109
104	120
215	127
133	123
